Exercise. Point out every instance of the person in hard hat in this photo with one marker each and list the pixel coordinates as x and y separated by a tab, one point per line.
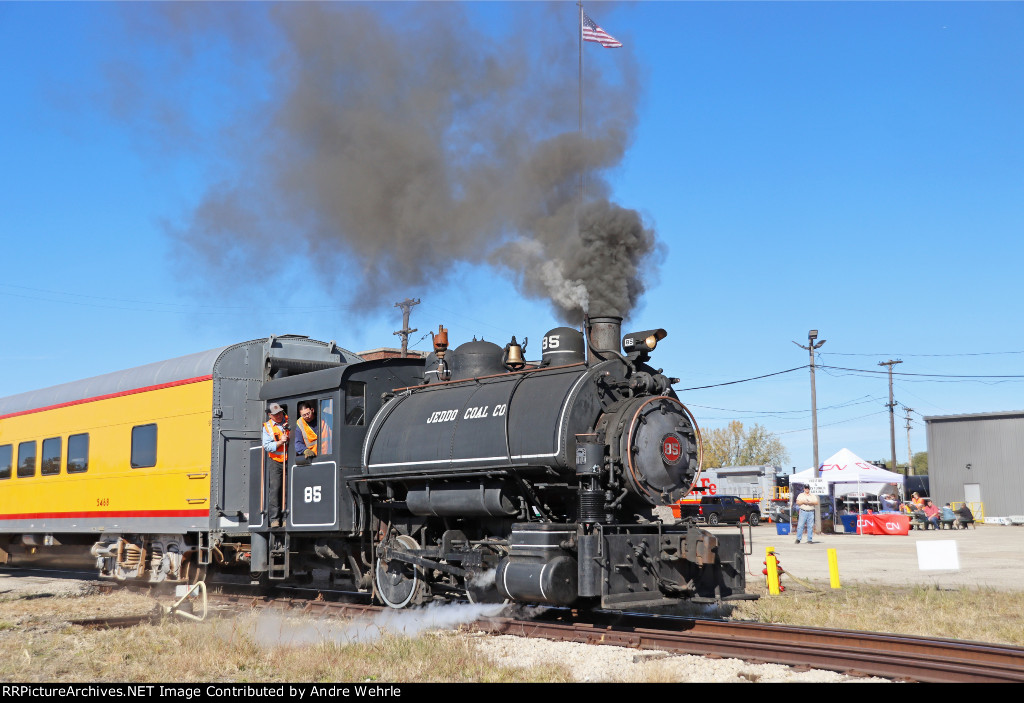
275	444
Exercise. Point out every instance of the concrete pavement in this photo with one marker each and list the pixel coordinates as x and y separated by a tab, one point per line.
989	556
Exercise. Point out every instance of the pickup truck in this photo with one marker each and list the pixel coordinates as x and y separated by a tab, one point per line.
718	509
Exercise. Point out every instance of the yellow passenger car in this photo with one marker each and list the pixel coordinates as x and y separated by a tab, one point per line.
141	466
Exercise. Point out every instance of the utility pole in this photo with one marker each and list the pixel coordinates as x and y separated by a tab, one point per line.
891	406
404	333
811	347
910	456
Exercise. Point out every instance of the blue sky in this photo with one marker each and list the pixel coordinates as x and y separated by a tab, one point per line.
856	168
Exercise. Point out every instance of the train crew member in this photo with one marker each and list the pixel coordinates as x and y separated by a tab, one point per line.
306	437
806	501
275	443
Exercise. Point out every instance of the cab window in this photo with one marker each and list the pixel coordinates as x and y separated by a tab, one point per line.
306	418
26	459
355	402
78	453
143	446
326	423
50	465
6	456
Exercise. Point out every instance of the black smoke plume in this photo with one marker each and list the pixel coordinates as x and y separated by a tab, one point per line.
392	140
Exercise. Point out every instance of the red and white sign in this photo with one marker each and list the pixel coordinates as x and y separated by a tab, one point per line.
671	449
709	488
883	524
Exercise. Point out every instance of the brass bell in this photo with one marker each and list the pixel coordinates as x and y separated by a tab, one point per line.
513	356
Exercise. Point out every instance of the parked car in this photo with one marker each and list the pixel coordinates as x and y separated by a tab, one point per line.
715	510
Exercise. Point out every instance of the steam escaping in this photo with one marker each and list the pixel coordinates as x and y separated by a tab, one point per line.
275	630
393	140
484	579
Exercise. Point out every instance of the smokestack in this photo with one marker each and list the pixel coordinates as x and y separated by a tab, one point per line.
604	334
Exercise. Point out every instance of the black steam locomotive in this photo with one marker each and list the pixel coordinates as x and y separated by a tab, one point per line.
471	473
476	473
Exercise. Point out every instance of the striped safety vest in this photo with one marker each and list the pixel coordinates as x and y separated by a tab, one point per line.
308	434
279	434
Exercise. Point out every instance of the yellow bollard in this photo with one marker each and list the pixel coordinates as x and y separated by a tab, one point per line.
772	567
833	568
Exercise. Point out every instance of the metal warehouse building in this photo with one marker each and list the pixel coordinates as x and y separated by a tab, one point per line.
978	458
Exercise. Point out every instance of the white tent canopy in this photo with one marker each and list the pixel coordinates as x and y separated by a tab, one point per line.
846	467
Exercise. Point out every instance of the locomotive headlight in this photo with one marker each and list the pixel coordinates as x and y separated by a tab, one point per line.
642	342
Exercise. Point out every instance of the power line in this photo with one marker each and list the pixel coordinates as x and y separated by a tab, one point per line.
923	355
743	380
925	375
838	422
860	400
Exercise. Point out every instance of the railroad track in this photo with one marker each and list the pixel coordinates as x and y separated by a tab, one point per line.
900	657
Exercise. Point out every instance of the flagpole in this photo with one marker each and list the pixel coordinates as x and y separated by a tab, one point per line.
579	37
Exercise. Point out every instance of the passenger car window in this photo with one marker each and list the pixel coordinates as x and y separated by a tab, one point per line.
326	423
26	459
143	446
6	455
78	453
50	465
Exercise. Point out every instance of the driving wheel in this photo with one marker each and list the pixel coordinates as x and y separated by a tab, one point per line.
399	583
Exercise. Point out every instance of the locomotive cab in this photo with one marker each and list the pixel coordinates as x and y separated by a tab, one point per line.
320	502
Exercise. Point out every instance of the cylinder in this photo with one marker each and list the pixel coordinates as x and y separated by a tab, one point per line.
453	501
605	333
553	582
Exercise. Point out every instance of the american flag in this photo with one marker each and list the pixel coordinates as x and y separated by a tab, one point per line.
591	32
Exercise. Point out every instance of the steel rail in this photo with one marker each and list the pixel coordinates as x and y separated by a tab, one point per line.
852	652
901	657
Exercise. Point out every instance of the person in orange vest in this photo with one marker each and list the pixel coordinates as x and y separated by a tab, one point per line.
306	437
275	444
